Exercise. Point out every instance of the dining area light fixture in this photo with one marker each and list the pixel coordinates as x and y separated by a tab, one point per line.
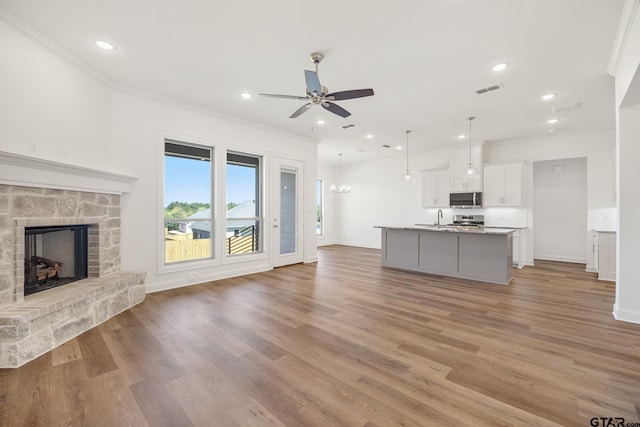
470	170
407	177
340	187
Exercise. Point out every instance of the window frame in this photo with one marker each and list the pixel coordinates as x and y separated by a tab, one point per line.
240	158
163	266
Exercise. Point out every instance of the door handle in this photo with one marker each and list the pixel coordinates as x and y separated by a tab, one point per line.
275	225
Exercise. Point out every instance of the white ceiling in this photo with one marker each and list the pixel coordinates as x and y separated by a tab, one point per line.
424	58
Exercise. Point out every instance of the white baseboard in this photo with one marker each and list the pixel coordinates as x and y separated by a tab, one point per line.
577	260
202	278
630	316
591	268
360	245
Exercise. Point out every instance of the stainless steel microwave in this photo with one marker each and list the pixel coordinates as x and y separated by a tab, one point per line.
465	200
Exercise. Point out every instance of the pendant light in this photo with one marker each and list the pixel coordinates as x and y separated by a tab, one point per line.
470	170
407	178
340	188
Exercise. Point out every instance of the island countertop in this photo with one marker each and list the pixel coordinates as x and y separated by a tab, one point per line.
451	229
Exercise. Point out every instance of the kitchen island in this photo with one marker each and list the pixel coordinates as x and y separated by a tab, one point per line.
483	254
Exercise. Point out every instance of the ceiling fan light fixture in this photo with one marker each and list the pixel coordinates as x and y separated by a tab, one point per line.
317	94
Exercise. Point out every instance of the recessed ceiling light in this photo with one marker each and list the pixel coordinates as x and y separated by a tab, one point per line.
548	96
369	136
552	121
246	95
320	122
500	67
398	147
461	136
105	45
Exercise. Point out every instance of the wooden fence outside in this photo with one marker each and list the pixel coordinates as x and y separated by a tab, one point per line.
186	249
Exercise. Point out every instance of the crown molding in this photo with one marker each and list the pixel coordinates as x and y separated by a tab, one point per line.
627	19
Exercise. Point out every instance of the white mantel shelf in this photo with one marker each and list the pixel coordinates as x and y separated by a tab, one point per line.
25	171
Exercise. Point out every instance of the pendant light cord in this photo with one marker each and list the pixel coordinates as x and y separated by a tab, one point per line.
470	118
408	151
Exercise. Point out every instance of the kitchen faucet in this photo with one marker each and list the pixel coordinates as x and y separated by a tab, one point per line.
439	216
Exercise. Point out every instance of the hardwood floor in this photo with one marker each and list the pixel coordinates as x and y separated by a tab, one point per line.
345	343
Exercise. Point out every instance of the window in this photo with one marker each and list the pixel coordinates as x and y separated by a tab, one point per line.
244	204
319	207
188	224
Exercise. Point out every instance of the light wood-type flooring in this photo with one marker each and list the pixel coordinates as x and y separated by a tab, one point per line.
345	343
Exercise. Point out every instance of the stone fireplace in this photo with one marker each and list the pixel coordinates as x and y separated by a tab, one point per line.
34	324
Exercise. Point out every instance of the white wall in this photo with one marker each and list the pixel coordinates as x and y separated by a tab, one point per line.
49	108
329	174
625	66
560	210
379	198
76	119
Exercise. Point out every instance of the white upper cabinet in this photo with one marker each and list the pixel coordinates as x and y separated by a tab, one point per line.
460	182
502	185
435	188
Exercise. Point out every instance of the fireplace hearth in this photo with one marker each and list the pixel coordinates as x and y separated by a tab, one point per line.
54	256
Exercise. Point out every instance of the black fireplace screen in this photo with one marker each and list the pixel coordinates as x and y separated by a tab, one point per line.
54	256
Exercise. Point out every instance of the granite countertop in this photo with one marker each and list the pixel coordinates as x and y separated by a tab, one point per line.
452	229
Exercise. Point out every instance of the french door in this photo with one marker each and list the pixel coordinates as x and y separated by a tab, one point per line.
287	226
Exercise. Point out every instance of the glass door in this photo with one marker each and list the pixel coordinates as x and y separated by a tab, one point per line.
287	227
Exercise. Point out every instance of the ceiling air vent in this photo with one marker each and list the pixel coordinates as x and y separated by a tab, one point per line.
565	108
488	89
386	145
347	126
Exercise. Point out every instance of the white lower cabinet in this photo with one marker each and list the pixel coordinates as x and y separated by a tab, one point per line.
605	256
518	248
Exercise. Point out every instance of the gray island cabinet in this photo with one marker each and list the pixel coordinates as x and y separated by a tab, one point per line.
483	254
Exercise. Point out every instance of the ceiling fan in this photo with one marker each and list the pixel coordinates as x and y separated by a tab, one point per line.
316	94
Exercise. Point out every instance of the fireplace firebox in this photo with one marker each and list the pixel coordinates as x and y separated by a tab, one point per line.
54	256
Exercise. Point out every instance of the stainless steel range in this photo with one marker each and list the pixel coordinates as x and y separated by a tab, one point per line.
471	221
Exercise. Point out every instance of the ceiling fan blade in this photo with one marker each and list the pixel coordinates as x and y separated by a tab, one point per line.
300	110
335	109
313	82
349	94
271	95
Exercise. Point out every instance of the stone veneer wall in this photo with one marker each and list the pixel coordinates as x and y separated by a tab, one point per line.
27	207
